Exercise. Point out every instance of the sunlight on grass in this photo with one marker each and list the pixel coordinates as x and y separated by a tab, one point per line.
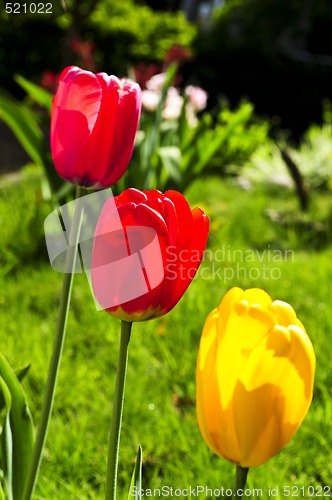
160	398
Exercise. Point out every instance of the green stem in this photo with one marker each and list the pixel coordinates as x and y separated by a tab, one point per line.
118	398
240	481
57	348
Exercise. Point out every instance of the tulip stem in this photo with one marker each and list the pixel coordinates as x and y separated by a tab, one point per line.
240	481
118	399
54	365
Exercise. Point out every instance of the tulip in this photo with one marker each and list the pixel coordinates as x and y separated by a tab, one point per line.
255	375
93	127
150	240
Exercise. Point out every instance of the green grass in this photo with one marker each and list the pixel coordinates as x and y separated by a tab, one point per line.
159	409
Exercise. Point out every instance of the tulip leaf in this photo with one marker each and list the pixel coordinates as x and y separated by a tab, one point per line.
21	426
7	441
136	479
24	126
20	373
170	157
210	143
2	495
37	93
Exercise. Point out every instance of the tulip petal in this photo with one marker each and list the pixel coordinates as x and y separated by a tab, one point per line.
242	331
127	115
258	424
273	379
171	221
74	112
185	267
284	312
132	195
146	216
302	355
205	367
185	218
257	296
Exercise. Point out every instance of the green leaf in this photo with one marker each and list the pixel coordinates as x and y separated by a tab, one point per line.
22	122
7	441
21	372
136	478
2	495
153	133
37	93
21	426
170	157
210	143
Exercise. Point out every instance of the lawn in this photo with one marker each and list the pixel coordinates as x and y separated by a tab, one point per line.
258	239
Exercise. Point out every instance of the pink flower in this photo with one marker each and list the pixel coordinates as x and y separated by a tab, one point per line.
93	126
156	82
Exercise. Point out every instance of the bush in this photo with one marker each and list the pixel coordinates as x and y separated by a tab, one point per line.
128	33
270	52
22	226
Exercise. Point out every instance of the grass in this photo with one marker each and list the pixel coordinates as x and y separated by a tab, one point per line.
160	397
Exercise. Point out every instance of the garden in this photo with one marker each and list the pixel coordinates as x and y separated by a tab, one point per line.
170	343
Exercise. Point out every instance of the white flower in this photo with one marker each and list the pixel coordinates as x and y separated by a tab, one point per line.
173	104
150	99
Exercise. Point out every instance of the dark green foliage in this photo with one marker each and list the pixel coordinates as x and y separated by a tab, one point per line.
273	52
127	33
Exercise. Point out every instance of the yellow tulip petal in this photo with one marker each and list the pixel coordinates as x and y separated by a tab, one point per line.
257	296
207	348
302	355
279	340
281	362
284	312
262	315
205	382
258	423
207	407
230	298
242	333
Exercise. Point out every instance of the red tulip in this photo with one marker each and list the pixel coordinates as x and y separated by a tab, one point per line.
93	127
146	253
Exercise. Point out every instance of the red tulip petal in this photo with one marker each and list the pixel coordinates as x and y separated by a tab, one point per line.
180	272
131	195
184	217
171	220
146	216
127	114
102	143
74	112
157	205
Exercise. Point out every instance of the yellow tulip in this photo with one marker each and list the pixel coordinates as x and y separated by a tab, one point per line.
255	376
